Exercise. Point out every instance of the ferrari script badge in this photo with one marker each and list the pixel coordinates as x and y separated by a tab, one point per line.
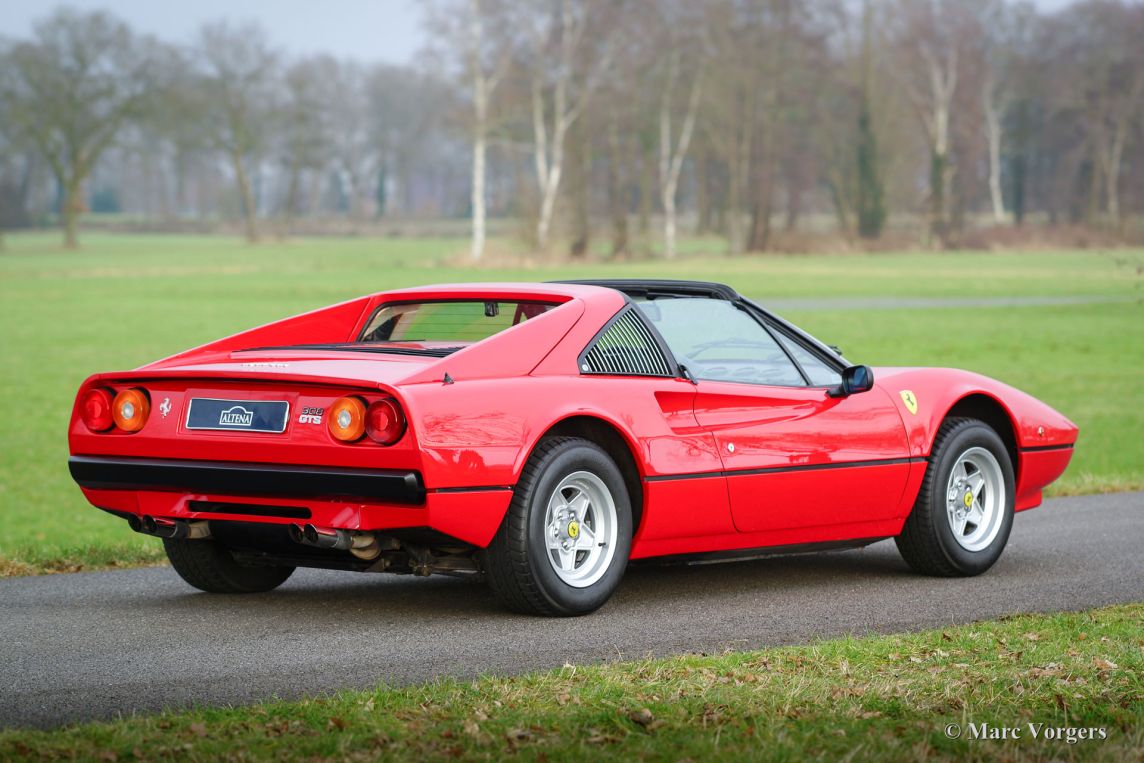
910	401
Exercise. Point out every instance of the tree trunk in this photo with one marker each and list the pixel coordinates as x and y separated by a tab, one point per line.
1019	175
291	204
580	165
69	212
246	197
839	202
759	237
672	154
993	135
738	162
547	208
478	193
870	192
647	181
549	168
702	193
480	130
1112	175
938	172
617	199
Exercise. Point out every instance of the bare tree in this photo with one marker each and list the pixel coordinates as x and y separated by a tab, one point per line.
673	149
1004	29
486	69
354	149
1113	88
305	130
237	102
928	41
562	83
70	90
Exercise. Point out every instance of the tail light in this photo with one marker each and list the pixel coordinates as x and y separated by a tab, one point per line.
95	410
384	422
130	409
347	419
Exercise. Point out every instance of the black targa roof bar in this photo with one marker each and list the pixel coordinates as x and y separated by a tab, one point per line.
653	286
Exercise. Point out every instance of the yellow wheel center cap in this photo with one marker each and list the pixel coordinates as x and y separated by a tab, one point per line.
968	499
573	529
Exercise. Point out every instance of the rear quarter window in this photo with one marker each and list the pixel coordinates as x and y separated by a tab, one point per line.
453	321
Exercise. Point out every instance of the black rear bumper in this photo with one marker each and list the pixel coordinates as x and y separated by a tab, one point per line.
233	478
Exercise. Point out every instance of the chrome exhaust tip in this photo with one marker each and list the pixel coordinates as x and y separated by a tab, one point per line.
174	529
363	545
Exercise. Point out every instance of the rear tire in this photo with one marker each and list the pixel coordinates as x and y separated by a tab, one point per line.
963	514
209	566
563	545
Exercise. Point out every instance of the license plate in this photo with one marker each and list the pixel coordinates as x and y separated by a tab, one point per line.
238	415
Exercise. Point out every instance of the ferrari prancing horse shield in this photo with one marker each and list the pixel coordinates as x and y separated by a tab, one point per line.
910	401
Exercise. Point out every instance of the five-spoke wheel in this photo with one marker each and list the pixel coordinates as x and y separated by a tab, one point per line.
581	527
564	543
975	499
961	519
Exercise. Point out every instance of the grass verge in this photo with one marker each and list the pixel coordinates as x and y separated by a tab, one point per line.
876	698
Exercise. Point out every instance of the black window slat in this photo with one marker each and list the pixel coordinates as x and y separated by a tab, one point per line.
625	348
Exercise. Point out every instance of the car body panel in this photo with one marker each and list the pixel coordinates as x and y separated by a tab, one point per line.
797	457
807	467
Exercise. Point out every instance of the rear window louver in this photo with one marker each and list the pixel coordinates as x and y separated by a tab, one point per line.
625	348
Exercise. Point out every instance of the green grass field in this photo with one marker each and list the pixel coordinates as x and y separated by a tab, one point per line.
125	300
885	698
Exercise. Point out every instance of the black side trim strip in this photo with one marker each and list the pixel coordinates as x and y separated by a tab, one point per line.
233	478
688	476
781	469
759	552
1040	448
475	489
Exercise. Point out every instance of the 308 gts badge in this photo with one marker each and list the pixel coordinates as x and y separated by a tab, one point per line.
311	415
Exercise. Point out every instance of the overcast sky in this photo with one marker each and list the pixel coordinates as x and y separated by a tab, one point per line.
368	30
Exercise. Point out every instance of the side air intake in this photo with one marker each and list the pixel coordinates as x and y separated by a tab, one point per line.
625	348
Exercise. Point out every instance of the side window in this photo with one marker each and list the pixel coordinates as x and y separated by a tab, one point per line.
718	341
821	375
625	348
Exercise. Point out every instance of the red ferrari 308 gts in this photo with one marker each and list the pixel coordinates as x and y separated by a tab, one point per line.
543	435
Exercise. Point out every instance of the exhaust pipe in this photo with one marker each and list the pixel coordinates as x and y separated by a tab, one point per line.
363	545
175	529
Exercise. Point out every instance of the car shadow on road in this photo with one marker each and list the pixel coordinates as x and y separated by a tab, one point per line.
650	585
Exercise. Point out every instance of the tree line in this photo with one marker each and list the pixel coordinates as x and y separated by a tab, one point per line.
599	125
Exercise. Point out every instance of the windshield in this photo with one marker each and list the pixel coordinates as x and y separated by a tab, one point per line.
454	321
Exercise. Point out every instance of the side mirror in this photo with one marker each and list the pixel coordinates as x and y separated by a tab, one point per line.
855	379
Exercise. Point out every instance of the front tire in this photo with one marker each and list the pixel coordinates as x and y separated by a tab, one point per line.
961	520
564	542
209	566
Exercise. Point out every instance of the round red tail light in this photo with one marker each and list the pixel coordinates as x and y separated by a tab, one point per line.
95	410
384	422
130	409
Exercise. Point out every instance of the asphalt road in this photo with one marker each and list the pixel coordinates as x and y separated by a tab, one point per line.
86	646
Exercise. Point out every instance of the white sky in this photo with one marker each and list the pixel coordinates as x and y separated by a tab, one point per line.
368	30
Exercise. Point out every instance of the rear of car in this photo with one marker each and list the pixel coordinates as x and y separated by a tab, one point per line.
295	445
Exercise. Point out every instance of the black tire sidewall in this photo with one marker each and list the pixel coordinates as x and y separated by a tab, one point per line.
580	456
973	435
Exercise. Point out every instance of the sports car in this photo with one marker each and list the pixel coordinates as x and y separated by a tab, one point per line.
543	436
